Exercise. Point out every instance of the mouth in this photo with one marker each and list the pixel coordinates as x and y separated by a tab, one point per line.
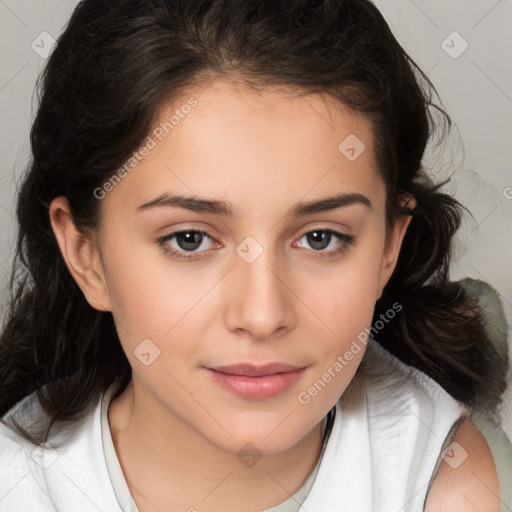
250	370
250	381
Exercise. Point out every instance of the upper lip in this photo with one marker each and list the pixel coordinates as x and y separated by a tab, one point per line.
250	370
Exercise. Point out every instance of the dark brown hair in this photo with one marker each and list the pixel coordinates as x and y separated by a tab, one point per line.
114	65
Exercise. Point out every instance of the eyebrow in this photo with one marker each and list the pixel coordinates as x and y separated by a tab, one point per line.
226	209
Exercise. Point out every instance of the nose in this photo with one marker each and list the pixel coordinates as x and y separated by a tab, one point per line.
260	299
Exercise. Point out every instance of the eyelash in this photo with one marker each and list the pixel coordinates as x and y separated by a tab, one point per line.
346	240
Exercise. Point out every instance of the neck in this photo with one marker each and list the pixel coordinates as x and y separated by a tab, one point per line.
169	466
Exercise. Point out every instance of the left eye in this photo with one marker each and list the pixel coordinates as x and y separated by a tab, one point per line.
321	239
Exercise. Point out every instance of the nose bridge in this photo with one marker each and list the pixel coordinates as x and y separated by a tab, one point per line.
260	302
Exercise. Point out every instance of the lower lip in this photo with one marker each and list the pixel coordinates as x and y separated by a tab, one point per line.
257	387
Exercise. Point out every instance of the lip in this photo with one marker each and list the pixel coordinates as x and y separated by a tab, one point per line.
251	370
251	381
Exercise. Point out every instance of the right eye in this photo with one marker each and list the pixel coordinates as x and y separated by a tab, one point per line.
181	242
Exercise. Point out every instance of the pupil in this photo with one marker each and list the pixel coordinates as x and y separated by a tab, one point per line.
317	239
190	239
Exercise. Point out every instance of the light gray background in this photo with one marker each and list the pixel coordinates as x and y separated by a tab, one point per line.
475	87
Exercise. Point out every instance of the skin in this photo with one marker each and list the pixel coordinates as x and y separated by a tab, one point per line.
471	487
176	432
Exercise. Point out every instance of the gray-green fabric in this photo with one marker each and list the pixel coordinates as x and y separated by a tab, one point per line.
494	315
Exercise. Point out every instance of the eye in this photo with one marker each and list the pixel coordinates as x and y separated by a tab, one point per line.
320	239
185	244
179	243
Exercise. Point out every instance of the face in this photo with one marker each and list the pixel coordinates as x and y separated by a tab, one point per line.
248	271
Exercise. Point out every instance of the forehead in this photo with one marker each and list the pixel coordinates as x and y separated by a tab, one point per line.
263	147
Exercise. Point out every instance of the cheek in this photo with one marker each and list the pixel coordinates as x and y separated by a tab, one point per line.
344	295
151	297
346	312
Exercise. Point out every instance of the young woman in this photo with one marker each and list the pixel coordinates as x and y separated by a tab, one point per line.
231	288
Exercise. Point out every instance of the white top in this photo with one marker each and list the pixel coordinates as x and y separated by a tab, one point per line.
387	436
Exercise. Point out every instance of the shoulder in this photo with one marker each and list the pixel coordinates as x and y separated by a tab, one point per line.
467	479
16	451
12	443
20	480
13	448
49	476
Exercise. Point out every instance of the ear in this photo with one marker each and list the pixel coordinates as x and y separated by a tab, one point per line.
81	254
393	244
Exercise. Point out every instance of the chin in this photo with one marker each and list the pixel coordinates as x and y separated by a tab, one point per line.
272	438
